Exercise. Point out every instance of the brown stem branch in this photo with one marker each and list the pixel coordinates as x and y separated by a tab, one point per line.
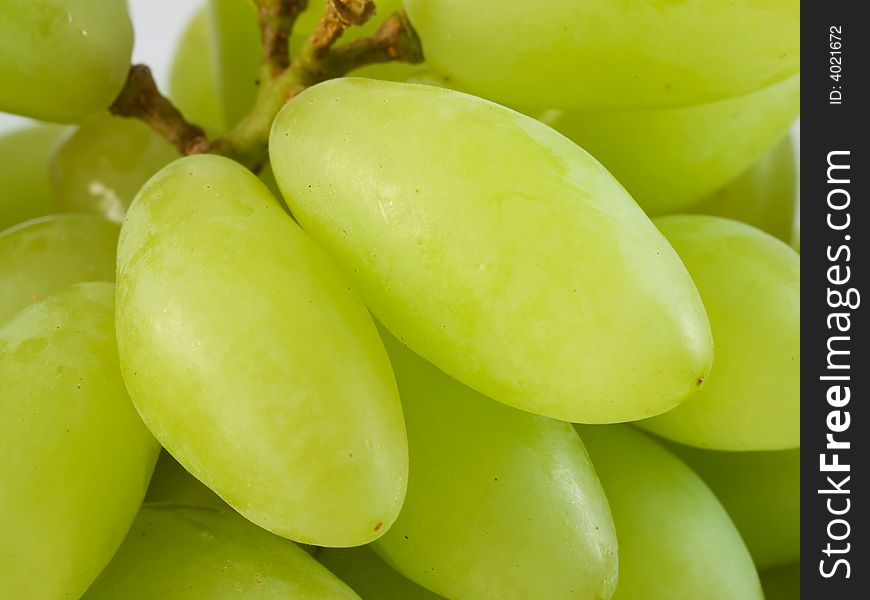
395	40
140	98
277	18
339	15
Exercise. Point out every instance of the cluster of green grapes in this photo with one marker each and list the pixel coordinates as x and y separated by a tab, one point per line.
400	361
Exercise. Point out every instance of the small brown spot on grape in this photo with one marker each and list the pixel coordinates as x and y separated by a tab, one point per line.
378	526
700	381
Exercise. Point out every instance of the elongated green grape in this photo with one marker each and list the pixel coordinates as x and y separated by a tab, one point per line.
24	188
44	255
192	81
675	539
102	164
371	577
62	60
501	503
494	247
76	457
193	553
669	159
171	484
783	583
251	360
601	53
750	284
763	196
761	492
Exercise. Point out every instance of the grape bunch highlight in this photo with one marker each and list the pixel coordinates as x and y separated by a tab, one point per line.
398	300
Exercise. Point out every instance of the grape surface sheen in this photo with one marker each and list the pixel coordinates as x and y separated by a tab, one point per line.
193	553
62	60
75	456
675	539
563	53
253	362
101	165
494	247
501	503
750	284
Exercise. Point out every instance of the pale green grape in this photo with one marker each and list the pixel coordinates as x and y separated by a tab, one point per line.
24	188
783	583
494	247
369	576
76	457
62	60
761	492
601	53
101	165
236	54
195	553
44	255
501	503
763	196
750	284
668	159
675	539
172	484
192	81
251	360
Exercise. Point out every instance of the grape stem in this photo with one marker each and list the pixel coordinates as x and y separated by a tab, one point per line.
277	18
140	98
282	76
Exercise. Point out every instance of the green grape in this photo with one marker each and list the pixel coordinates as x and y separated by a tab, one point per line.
192	81
369	576
103	163
24	188
501	503
62	60
668	159
236	55
496	249
252	361
173	485
783	583
601	53
761	492
196	553
675	539
44	255
76	457
763	196
750	284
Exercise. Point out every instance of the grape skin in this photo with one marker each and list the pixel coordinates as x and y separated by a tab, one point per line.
76	457
675	539
24	181
750	284
495	248
253	362
608	54
501	503
44	255
62	60
194	553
